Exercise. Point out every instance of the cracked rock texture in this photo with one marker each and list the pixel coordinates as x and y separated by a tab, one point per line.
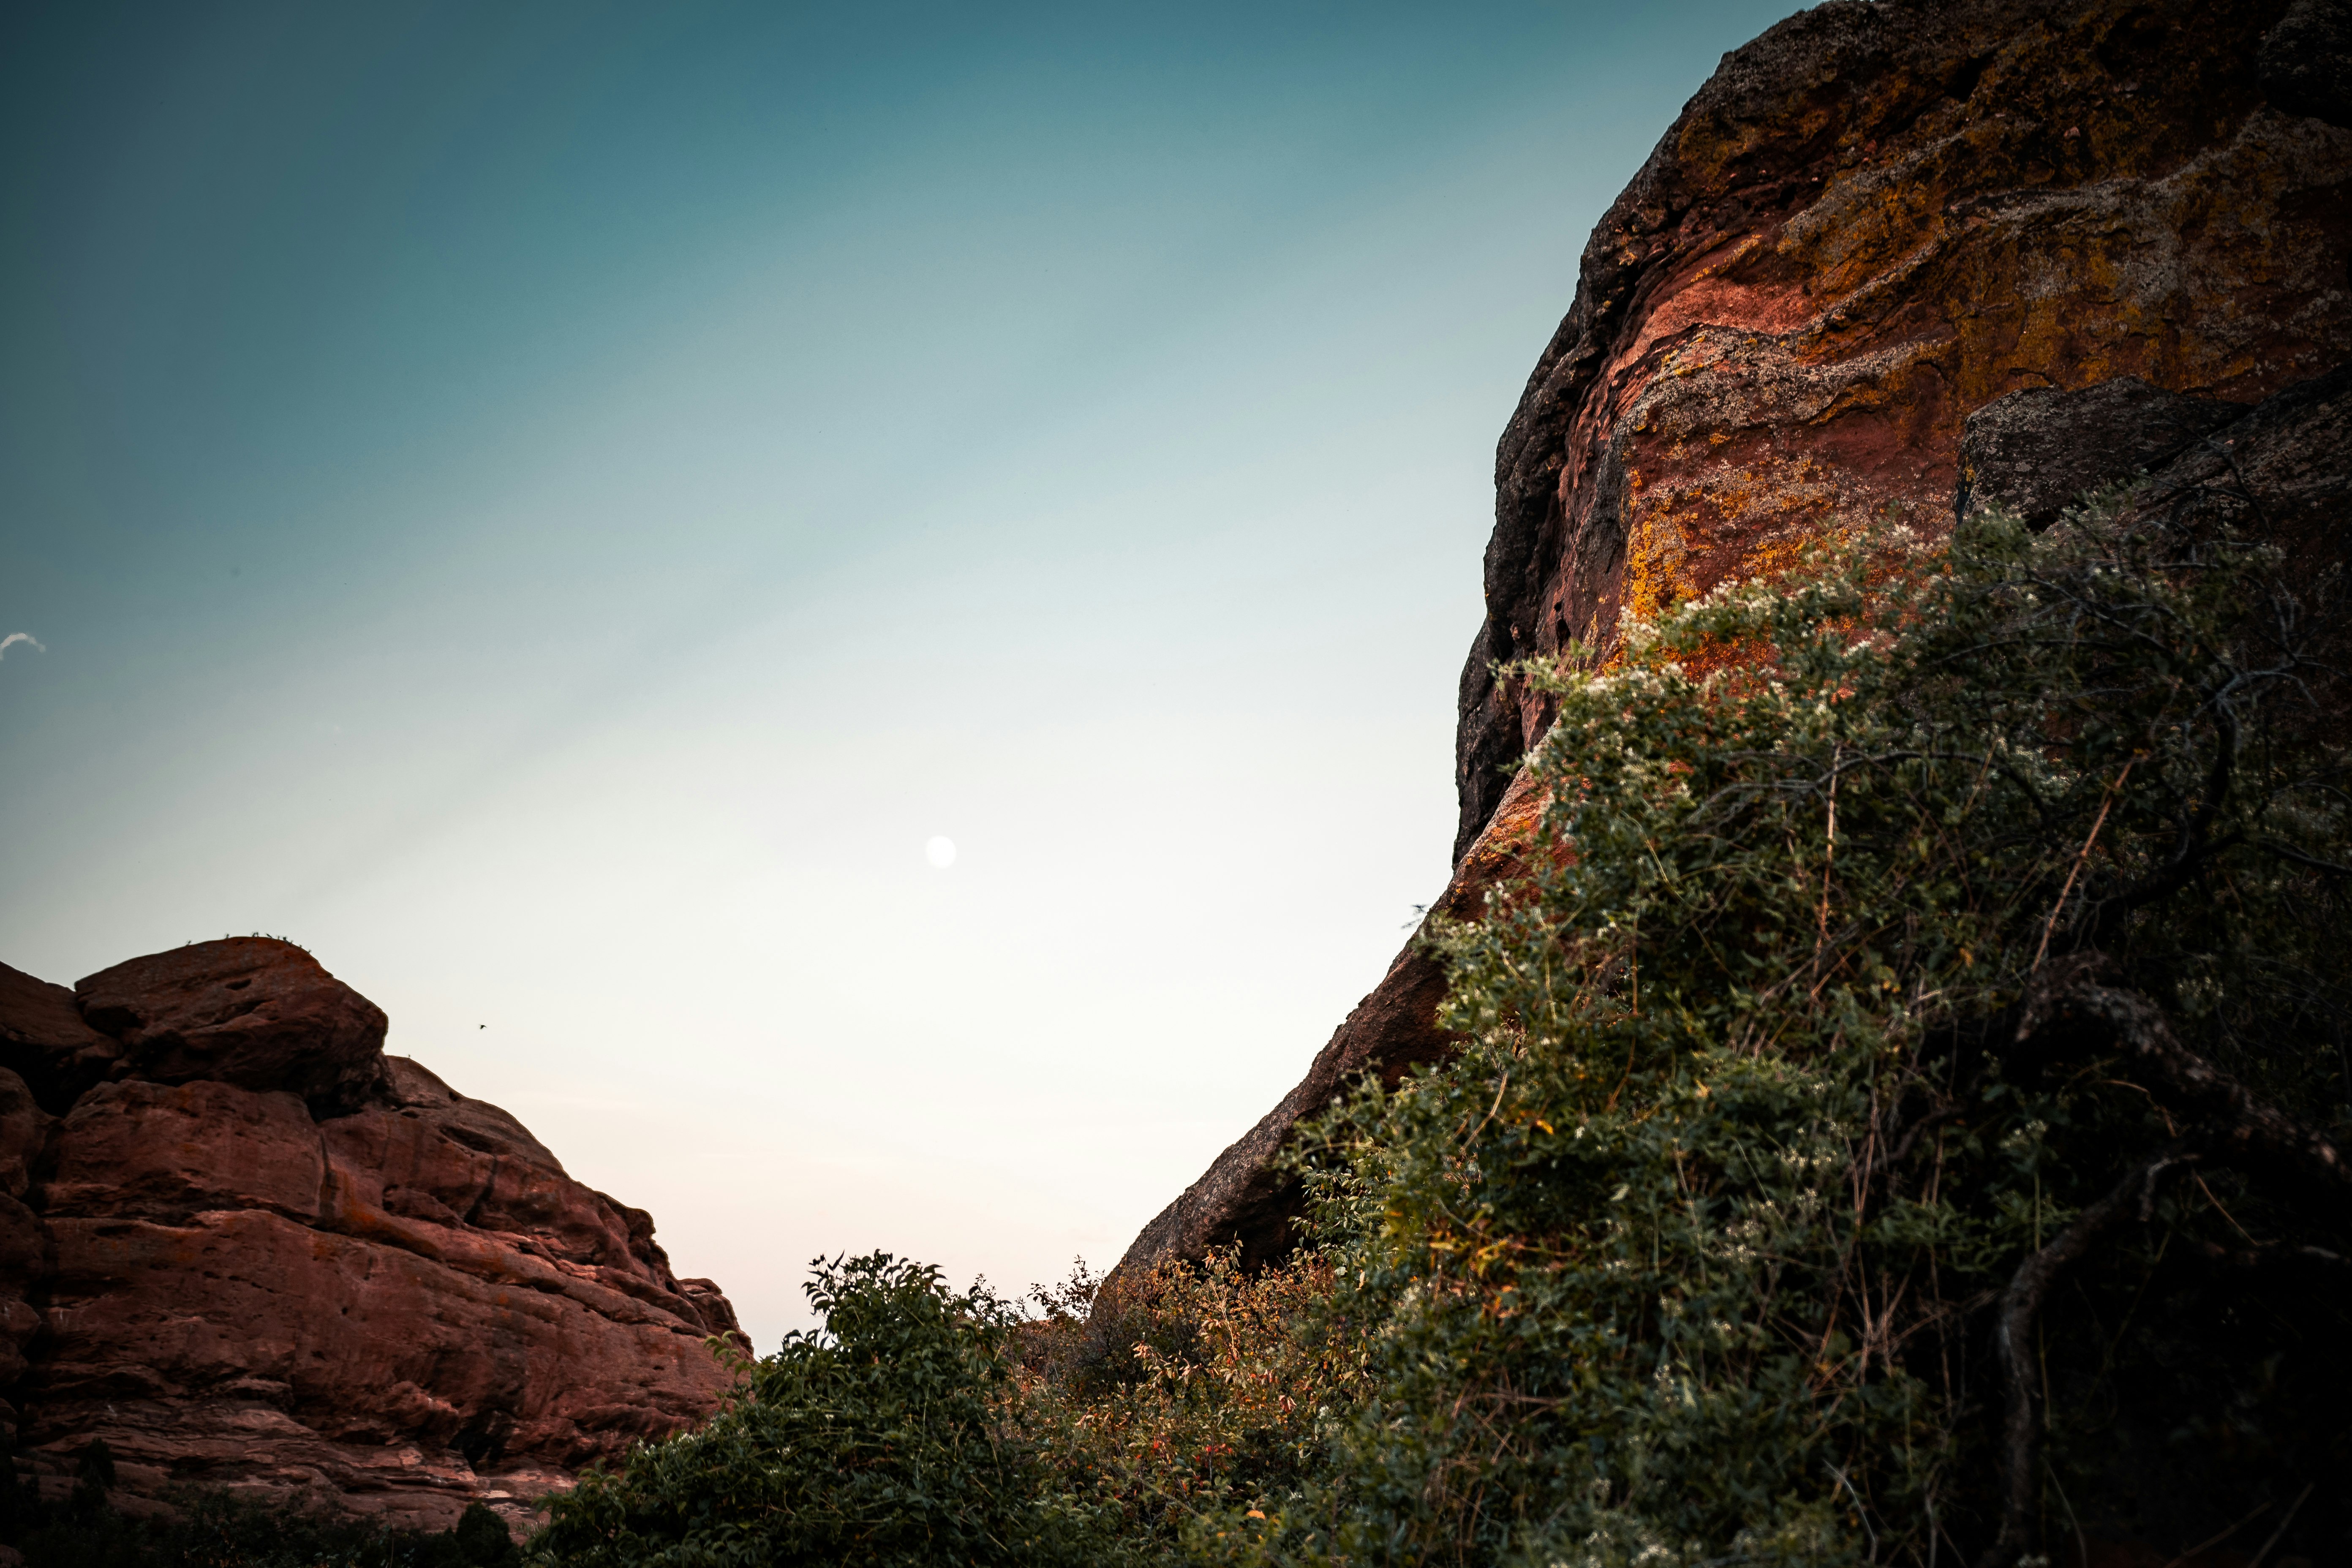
248	1249
2085	235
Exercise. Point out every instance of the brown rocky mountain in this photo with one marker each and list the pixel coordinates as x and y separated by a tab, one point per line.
1895	258
248	1249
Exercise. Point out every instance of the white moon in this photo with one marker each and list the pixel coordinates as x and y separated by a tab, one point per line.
940	852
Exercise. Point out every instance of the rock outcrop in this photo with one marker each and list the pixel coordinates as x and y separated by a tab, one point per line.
248	1249
240	1012
1895	260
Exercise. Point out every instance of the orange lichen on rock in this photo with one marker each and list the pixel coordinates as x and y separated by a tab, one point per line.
1873	220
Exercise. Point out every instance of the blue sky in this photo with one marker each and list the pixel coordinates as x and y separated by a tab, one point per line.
554	506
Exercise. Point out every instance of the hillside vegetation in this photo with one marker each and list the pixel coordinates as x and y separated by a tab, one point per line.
1899	1122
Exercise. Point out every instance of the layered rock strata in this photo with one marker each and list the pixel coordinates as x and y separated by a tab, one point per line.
1893	261
248	1249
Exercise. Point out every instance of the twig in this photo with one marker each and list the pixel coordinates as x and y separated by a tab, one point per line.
1490	1109
1860	1509
2076	869
2082	1544
2212	1541
1828	861
2273	1540
2237	1127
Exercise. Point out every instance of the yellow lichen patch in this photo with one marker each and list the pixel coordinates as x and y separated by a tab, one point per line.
1690	531
1654	554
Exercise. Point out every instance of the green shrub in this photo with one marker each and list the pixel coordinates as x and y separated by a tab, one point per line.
1895	1094
888	1439
1189	1395
482	1540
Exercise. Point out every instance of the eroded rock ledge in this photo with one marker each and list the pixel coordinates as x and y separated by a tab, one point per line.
248	1249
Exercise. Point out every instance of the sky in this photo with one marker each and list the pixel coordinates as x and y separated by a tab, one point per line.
557	508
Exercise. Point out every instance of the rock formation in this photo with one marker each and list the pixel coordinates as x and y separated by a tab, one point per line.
248	1249
1893	260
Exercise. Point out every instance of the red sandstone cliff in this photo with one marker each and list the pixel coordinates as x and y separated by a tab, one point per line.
1892	256
248	1249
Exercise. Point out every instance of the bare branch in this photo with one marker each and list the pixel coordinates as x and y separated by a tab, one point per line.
2020	1536
2231	1123
2300	858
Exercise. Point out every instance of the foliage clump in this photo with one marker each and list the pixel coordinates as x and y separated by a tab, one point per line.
1187	1397
887	1437
1899	1116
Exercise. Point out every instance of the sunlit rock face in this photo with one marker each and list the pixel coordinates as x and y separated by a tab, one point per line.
1873	223
1875	220
250	1250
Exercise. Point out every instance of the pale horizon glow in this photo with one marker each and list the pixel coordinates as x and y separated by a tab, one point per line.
545	505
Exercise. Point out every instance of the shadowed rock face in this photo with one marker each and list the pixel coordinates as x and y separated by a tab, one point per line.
253	1250
45	1043
1888	249
2036	452
2306	61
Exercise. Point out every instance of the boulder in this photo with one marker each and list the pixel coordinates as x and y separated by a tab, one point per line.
256	1012
263	1255
397	1366
2282	472
1888	251
23	1243
24	1134
2038	451
169	1151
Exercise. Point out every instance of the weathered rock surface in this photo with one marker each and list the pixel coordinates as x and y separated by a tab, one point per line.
2036	452
2281	471
1872	226
23	1243
1875	220
262	1254
245	1010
